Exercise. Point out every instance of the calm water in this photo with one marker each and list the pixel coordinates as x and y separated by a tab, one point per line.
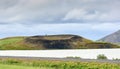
83	53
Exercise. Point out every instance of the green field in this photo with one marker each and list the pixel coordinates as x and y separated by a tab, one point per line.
6	66
53	64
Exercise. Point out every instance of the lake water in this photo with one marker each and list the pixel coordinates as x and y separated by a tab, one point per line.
83	53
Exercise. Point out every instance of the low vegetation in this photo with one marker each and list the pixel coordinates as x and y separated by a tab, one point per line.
116	59
55	64
101	56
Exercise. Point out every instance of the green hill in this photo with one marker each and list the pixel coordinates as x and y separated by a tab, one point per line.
51	42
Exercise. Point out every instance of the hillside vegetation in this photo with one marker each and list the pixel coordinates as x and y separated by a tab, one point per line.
51	42
15	43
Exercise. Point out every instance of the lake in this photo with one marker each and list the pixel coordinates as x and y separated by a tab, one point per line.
83	53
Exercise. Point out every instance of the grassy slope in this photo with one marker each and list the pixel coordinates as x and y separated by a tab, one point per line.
6	66
17	43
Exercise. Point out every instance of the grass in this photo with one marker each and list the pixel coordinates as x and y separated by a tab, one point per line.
10	43
56	64
7	66
15	43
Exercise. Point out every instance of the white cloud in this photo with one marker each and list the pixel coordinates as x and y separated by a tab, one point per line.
75	14
112	15
95	11
81	14
106	26
86	15
22	11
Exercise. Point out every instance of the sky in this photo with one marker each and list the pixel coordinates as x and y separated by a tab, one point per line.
92	19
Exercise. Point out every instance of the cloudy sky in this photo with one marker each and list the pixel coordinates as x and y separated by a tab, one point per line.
92	19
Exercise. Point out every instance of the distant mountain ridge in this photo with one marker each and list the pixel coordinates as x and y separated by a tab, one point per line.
43	42
112	38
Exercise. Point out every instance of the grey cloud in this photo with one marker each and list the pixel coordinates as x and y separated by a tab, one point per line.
4	4
54	11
